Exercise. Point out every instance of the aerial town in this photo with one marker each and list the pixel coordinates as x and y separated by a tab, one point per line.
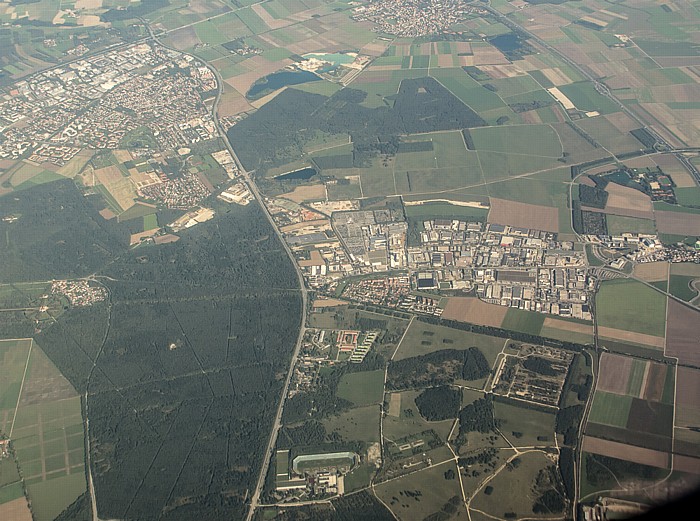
413	18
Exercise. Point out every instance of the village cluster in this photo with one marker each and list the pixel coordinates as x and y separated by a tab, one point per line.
413	18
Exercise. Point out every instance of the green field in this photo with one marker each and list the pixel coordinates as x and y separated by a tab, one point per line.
523	426
445	210
13	359
47	428
422	338
11	492
360	424
410	422
584	96
470	91
433	488
618	224
536	140
524	321
50	498
498	165
362	388
688	196
610	409
567	336
502	501
636	377
679	285
150	222
631	306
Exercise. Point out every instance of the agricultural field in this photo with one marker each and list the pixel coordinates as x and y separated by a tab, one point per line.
41	414
633	307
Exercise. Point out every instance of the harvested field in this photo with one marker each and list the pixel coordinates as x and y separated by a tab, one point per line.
614	449
670	165
120	187
232	103
630	336
654	380
688	387
628	201
686	464
652	271
525	215
556	76
614	373
566	325
16	510
306	193
678	223
473	310
394	405
328	303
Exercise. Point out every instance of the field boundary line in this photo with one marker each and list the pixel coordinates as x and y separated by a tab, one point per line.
21	387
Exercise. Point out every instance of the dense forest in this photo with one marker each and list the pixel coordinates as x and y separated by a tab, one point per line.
477	417
278	131
437	368
183	366
439	403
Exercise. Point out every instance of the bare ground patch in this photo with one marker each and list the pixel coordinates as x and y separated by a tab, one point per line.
614	373
473	310
525	215
321	303
565	325
614	449
682	333
652	271
16	510
631	336
306	193
394	405
678	223
686	464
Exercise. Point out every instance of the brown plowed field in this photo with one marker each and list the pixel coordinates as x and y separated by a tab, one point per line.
614	373
525	215
565	325
682	333
652	271
306	193
631	336
473	310
614	449
16	510
688	387
654	384
686	464
678	223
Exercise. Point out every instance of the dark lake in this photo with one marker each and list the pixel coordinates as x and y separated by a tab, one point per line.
298	175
